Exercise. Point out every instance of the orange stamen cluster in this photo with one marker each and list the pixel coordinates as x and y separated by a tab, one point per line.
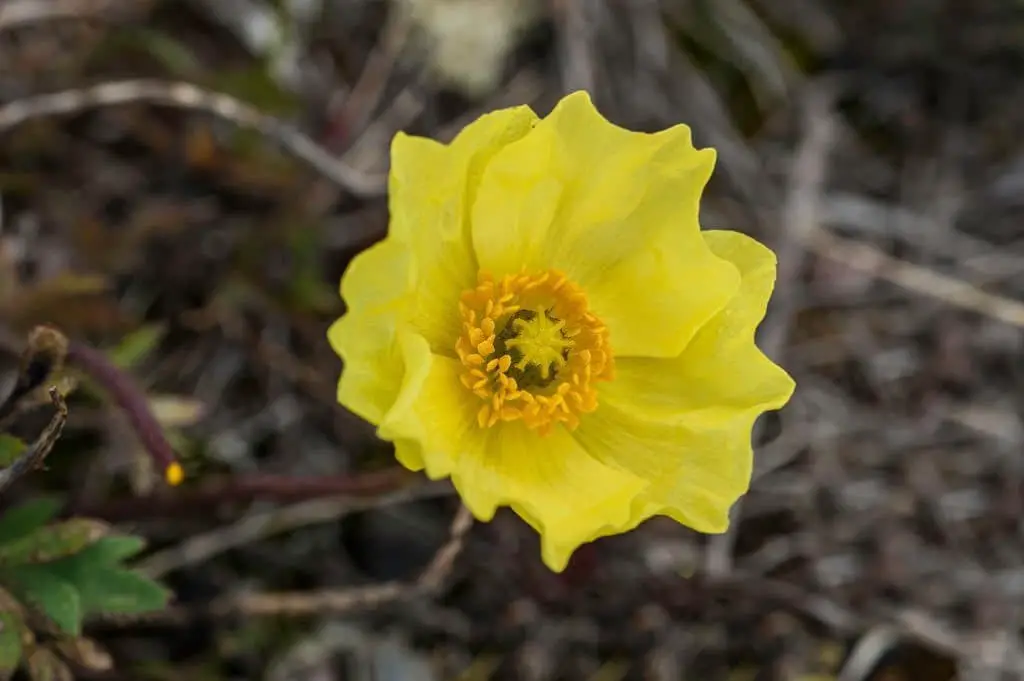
532	350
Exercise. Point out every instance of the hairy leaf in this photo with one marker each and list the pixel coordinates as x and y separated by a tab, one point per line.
121	592
109	551
104	587
48	593
53	541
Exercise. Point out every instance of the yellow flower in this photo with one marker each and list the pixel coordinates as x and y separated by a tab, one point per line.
546	324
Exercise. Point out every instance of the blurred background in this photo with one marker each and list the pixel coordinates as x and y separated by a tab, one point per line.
197	234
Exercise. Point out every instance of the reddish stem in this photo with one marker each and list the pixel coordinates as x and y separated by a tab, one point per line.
247	488
132	402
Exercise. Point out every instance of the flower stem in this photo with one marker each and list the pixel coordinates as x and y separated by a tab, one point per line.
133	403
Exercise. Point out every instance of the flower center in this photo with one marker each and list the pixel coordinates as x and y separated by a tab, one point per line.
532	350
538	344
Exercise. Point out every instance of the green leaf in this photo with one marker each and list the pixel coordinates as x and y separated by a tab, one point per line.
109	551
53	542
105	588
48	593
121	592
10	449
27	517
136	345
10	642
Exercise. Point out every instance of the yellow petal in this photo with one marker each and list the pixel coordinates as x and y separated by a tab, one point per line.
370	378
409	454
378	279
417	360
440	419
722	374
617	211
375	288
551	482
430	190
698	507
381	360
685	423
695	474
656	290
385	368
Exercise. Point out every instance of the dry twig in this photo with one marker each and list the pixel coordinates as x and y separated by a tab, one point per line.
43	356
35	455
17	13
343	600
907	624
576	43
868	259
367	92
191	97
256	527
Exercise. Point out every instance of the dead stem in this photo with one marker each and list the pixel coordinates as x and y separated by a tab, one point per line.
36	454
194	98
43	356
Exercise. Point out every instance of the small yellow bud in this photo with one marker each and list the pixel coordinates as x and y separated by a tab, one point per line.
174	474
